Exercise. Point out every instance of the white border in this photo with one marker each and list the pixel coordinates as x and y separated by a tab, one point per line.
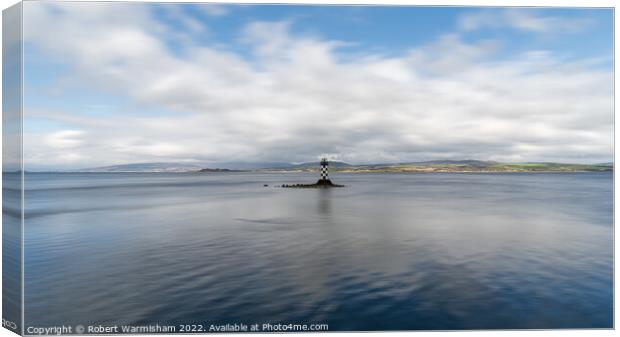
485	3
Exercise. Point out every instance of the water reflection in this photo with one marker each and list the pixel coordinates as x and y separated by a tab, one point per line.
325	202
428	251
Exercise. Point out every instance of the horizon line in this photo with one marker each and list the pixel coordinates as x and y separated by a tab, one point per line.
210	165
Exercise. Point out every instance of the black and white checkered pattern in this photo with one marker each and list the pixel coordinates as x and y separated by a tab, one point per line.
324	170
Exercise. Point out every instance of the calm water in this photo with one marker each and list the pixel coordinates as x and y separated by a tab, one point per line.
389	251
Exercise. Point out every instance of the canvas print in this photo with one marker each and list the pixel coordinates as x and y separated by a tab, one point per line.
209	167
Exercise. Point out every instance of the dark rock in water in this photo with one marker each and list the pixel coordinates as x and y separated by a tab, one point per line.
217	170
321	183
327	182
265	185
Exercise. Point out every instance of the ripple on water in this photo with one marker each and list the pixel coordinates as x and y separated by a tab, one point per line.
387	252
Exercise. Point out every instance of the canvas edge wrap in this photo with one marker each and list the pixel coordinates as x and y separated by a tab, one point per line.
12	169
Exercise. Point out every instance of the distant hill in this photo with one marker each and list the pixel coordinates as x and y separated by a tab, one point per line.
185	167
475	166
248	165
339	166
317	164
468	162
308	166
450	166
145	167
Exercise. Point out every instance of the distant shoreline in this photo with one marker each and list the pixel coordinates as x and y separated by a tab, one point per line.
437	166
290	172
431	172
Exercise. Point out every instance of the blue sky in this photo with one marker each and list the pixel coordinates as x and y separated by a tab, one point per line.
113	83
395	29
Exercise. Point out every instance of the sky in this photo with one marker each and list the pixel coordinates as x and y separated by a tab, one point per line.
114	83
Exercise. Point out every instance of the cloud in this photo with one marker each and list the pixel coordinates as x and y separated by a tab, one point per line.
176	13
525	19
213	9
292	98
65	139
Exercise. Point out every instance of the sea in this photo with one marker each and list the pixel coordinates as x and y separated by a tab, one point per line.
408	251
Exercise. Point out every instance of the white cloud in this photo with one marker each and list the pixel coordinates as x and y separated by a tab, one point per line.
65	139
295	99
213	9
185	29
526	19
